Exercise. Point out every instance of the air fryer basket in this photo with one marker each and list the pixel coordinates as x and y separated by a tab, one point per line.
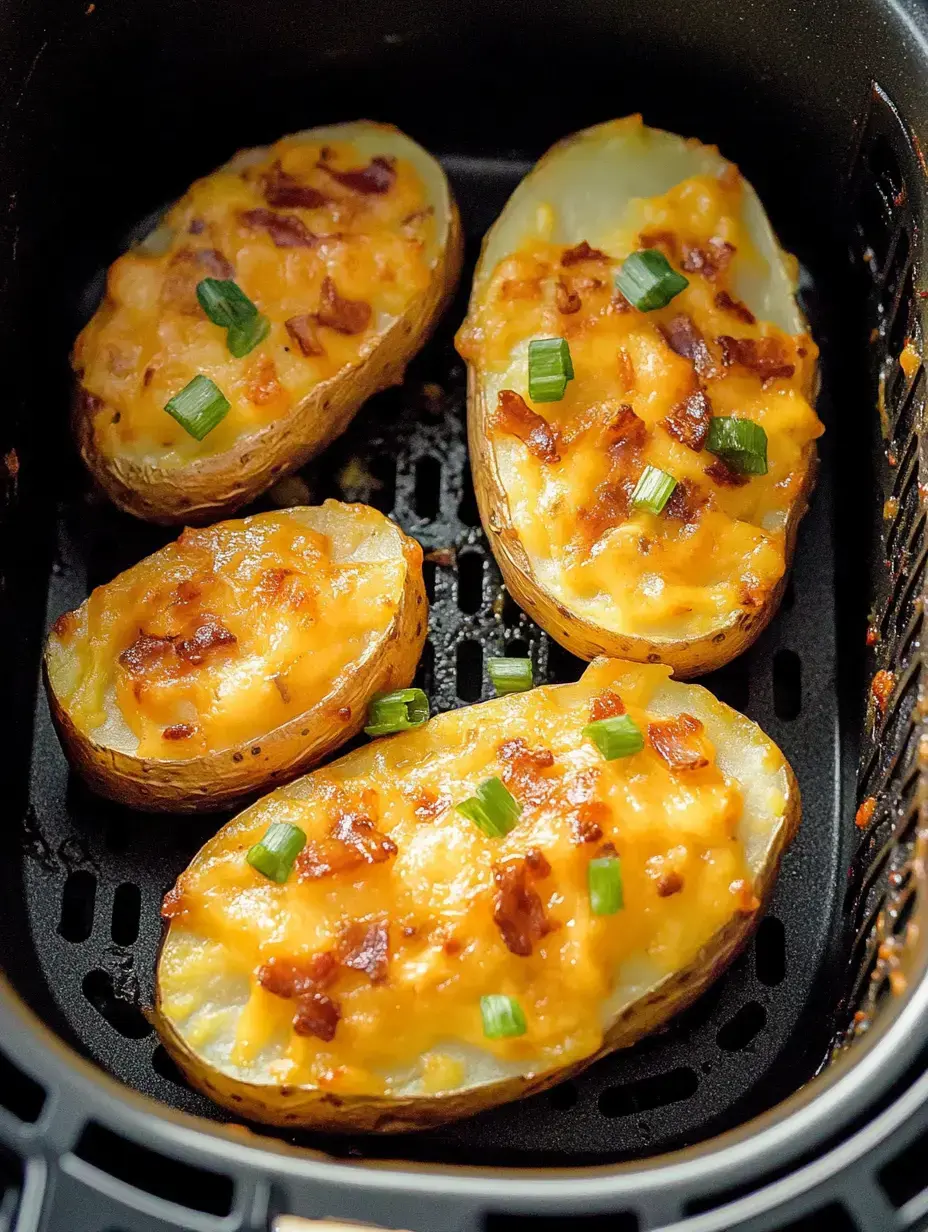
716	1123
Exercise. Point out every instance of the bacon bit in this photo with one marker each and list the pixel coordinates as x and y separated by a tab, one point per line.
619	304
873	635
881	688
607	849
452	947
683	338
533	430
710	261
286	230
286	192
688	421
765	356
519	288
677	742
302	330
666	241
518	912
626	371
347	316
445	558
625	428
65	626
685	502
729	304
605	705
609	509
376	178
581	252
291	979
864	814
262	385
724	476
366	947
586	823
567	301
747	900
209	637
144	653
178	731
428	806
197	226
317	1015
522	770
537	864
185	269
352	841
669	883
173	904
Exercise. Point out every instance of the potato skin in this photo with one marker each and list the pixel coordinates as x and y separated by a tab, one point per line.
312	1108
224	779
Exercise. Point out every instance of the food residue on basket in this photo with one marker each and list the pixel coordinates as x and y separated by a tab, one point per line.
865	813
909	360
881	688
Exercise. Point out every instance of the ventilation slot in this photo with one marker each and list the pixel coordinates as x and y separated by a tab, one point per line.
425	672
559	1223
127	910
563	1097
831	1218
122	1013
77	904
19	1094
11	1180
770	952
740	1031
468	512
427	495
904	1178
469	667
156	1174
656	1092
470	582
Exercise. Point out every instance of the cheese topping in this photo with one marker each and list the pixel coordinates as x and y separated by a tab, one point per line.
228	632
645	386
364	972
280	222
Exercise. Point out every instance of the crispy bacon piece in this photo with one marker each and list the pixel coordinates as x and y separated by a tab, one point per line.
353	840
688	421
666	241
581	252
139	658
284	191
533	430
611	506
316	1014
605	705
765	356
537	863
346	316
567	301
366	947
587	816
625	428
376	178
178	731
212	635
262	385
729	304
518	912
286	230
723	475
185	269
523	770
683	337
669	883
685	502
709	261
428	806
677	742
302	329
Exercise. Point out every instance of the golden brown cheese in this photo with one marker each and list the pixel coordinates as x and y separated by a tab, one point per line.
226	634
328	244
443	914
645	386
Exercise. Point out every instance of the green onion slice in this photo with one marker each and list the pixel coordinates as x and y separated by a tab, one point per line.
492	809
604	880
653	490
397	711
274	855
617	736
510	675
224	302
502	1016
740	443
549	369
648	280
241	339
199	406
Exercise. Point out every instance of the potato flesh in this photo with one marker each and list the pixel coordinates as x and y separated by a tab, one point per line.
419	1032
669	577
308	594
149	338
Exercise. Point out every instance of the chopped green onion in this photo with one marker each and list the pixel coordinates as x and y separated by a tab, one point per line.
604	880
617	736
653	490
241	339
275	853
199	406
549	369
397	711
492	809
502	1016
510	675
740	443
648	280
224	302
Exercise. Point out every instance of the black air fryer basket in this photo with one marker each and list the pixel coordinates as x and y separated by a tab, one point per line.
793	1096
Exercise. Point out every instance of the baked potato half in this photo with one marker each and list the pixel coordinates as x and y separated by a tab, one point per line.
237	656
641	496
421	962
341	245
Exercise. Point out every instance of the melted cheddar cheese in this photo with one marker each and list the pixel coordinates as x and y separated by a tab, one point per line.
689	842
226	633
718	546
150	337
